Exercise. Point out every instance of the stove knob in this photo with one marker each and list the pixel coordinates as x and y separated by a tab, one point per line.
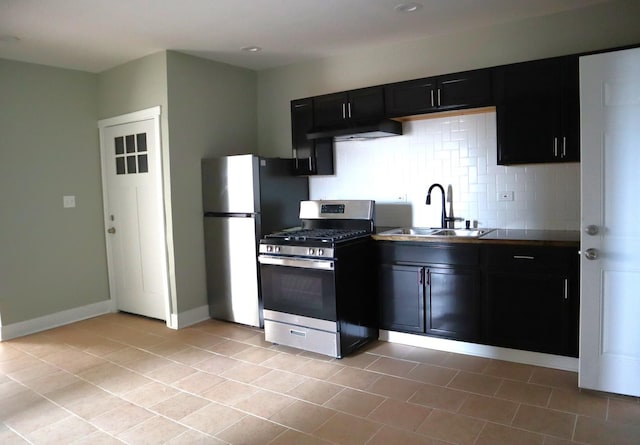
269	248
312	251
277	249
321	252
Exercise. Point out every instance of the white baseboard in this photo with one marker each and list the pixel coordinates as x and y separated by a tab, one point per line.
14	330
188	318
495	352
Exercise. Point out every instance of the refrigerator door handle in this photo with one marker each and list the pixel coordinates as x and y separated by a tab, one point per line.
228	215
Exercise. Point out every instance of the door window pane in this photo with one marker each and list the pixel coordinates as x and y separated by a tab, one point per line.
141	139
119	142
131	164
131	143
143	167
120	166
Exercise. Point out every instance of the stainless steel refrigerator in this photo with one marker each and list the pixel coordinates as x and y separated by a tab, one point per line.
244	197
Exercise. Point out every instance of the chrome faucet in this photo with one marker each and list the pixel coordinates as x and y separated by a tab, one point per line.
443	218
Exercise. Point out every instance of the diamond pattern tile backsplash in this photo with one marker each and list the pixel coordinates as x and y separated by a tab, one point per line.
458	152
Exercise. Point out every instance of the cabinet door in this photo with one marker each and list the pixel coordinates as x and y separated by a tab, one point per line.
401	298
366	104
410	98
465	90
330	109
311	157
452	302
529	311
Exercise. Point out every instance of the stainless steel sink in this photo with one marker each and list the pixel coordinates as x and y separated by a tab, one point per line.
436	232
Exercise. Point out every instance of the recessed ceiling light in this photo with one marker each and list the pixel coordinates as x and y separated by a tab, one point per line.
251	49
408	7
9	39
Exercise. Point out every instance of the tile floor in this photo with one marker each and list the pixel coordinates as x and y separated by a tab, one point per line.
120	378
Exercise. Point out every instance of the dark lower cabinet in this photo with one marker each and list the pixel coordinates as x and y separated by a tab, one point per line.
452	302
401	297
532	298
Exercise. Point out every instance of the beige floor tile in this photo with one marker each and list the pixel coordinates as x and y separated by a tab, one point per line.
494	434
168	347
392	366
488	408
545	421
354	402
394	387
345	429
245	372
292	437
26	415
255	355
451	427
509	370
228	348
476	383
94	405
264	403
318	369
200	339
114	378
156	430
437	397
429	356
65	431
180	405
467	363
51	382
524	392
389	349
190	356
170	373
217	364
556	378
580	402
198	382
251	430
358	359
303	416
622	411
435	375
285	362
150	394
402	415
388	435
600	432
121	418
191	437
10	388
213	418
38	370
354	378
17	364
280	381
73	360
97	438
8	437
230	392
315	391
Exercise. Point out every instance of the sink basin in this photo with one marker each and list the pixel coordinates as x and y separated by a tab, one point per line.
436	233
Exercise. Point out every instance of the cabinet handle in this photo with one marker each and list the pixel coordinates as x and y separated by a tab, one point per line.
523	257
420	276
344	113
349	108
564	146
428	277
555	147
438	96
310	164
432	103
566	289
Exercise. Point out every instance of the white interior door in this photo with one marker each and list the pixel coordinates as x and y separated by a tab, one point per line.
134	219
610	264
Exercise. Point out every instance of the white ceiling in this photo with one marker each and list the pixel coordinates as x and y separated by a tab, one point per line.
95	35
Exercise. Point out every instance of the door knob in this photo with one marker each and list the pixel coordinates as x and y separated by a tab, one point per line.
111	230
591	254
591	230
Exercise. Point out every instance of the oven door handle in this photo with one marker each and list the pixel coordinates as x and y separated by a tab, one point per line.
305	263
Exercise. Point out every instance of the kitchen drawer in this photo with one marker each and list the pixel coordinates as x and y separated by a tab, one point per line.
429	253
304	338
528	257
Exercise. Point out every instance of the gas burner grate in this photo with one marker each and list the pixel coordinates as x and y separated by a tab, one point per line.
326	235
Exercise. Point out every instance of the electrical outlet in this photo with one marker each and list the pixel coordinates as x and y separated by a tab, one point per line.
401	197
505	196
68	202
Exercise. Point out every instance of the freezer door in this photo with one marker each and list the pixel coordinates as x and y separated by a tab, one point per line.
232	271
230	184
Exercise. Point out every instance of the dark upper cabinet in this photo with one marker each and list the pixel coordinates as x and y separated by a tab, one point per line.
311	157
468	89
532	298
362	105
538	111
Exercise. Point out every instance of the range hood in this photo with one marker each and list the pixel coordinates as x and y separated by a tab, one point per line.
358	131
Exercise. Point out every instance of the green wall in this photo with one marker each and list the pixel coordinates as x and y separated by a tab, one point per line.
51	259
601	26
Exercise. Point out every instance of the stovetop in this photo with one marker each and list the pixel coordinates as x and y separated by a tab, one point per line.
323	235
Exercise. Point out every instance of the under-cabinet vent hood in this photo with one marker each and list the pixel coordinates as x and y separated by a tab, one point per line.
358	131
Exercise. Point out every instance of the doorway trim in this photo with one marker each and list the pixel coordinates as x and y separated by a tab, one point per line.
154	114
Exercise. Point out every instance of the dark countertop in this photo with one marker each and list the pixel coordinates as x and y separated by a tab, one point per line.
568	238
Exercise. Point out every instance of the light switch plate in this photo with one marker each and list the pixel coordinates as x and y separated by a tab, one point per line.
68	201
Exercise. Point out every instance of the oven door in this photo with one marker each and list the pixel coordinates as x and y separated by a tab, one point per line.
299	286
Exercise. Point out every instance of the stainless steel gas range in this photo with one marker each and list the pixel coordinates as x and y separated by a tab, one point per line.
318	280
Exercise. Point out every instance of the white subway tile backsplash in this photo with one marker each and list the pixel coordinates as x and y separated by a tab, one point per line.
460	152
